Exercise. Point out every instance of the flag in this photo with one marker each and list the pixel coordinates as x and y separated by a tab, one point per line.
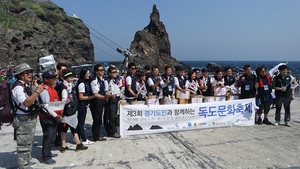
47	62
275	69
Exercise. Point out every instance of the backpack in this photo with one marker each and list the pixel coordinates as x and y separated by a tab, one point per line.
71	108
7	107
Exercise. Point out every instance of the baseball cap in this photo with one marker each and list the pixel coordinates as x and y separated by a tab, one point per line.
49	74
68	73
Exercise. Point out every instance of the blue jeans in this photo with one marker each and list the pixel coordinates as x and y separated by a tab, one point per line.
49	127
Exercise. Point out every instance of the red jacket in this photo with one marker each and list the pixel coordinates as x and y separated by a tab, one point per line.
53	98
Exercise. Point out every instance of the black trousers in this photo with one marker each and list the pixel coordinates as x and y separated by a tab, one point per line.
97	113
264	107
49	127
82	110
286	101
111	110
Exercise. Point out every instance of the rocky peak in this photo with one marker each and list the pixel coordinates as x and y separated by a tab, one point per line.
31	26
152	46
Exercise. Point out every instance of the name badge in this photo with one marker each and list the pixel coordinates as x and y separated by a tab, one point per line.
266	87
247	87
170	88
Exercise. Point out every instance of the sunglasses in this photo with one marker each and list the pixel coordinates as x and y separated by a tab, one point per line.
101	70
114	72
133	68
28	72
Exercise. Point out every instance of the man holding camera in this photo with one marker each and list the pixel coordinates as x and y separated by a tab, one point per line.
25	120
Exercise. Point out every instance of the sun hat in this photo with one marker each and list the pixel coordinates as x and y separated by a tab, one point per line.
21	68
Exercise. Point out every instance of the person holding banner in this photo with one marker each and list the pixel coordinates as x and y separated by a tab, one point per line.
111	108
264	97
154	82
284	95
49	122
99	89
247	83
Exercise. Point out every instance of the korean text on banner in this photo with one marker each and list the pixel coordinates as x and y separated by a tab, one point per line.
145	119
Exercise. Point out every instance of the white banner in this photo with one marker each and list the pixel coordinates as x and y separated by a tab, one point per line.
145	119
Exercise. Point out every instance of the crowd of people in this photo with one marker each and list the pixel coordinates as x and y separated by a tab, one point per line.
103	93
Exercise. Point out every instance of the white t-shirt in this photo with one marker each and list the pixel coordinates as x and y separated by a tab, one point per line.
192	85
81	88
95	86
128	80
19	97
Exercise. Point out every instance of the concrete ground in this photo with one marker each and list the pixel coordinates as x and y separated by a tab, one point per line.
258	146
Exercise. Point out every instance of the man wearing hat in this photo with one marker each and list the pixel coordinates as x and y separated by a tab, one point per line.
49	121
284	95
25	120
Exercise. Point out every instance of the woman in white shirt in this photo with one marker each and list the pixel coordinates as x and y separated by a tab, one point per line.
84	94
191	84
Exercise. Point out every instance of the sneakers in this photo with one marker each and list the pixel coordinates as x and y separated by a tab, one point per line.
258	121
277	123
115	135
266	121
80	147
64	149
87	142
49	161
100	139
288	124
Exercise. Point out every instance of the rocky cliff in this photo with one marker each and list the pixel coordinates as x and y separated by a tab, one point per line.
27	27
152	45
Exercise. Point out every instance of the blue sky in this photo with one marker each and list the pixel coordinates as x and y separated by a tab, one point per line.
254	30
